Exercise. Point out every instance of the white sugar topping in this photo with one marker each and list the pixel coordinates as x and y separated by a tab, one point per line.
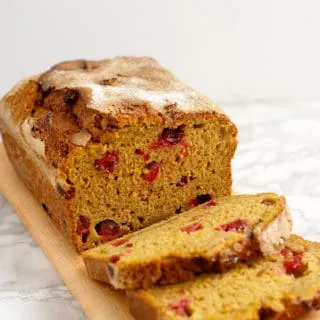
122	80
103	96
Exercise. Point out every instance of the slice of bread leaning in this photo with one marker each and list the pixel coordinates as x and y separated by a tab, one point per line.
210	237
284	287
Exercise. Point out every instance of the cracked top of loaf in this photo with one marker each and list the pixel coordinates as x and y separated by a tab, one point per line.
111	85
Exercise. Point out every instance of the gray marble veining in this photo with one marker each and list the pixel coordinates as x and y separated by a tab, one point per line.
278	150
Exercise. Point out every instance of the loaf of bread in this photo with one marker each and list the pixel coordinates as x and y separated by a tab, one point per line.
109	147
210	237
284	287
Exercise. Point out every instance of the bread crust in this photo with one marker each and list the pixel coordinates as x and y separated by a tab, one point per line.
170	270
37	182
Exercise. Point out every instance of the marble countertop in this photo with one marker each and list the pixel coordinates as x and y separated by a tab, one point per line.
279	150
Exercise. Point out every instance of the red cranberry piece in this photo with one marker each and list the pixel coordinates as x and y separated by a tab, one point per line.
153	170
108	163
181	307
146	156
108	229
114	259
295	266
211	203
286	252
140	152
191	228
119	242
169	137
172	136
83	225
235	226
202	198
182	182
83	228
293	263
84	237
192	202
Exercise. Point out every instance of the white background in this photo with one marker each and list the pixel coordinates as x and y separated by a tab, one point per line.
229	49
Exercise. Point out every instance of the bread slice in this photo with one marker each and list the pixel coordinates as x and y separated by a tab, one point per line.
281	288
210	237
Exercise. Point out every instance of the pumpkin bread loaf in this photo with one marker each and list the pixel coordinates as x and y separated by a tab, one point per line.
284	287
109	147
211	237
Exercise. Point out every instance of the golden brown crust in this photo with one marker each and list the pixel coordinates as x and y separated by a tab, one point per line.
54	204
177	269
23	98
170	270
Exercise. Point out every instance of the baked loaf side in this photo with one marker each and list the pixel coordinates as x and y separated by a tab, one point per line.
114	139
284	287
211	237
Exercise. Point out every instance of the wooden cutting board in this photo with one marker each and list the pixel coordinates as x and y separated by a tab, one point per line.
100	302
